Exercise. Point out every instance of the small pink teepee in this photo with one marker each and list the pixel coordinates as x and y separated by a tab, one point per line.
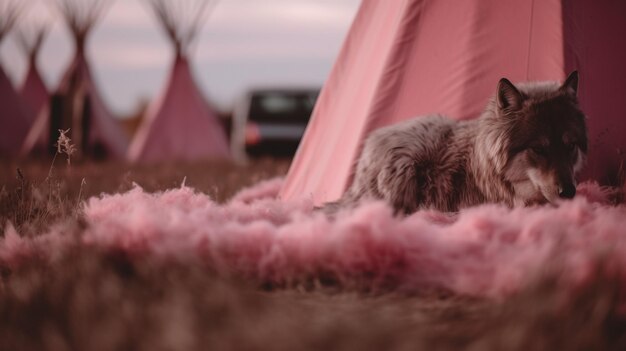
180	125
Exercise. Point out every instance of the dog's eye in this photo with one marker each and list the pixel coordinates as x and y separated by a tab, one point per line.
539	150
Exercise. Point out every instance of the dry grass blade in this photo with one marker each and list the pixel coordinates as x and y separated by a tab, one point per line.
64	145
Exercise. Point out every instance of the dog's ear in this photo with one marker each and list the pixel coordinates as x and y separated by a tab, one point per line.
508	97
570	86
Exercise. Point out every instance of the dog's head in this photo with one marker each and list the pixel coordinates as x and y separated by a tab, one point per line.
545	137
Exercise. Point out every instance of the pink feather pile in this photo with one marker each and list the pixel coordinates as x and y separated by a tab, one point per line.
489	250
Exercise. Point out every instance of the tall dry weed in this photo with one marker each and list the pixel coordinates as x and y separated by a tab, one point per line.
32	205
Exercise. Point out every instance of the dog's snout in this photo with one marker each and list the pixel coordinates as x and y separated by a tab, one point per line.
567	191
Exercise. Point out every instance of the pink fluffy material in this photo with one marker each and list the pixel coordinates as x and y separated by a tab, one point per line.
489	250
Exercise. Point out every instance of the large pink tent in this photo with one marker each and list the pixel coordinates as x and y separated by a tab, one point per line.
180	125
408	58
14	121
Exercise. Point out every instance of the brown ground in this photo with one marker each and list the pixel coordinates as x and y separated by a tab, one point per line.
93	300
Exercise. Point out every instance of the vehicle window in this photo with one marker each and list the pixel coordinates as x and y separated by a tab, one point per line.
278	104
282	107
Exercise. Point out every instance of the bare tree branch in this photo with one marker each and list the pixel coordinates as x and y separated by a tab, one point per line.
81	16
10	11
31	39
182	19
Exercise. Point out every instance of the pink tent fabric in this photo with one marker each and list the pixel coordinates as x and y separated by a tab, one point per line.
180	125
407	58
34	92
14	121
36	98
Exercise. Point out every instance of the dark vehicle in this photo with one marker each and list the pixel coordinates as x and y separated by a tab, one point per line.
271	122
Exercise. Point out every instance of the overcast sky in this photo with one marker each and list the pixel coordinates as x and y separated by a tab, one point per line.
245	43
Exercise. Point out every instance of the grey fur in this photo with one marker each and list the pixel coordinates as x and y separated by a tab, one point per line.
436	162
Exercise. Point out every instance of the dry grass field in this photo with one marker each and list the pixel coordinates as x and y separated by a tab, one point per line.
35	194
92	299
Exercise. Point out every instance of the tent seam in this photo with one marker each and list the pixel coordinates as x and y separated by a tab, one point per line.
530	38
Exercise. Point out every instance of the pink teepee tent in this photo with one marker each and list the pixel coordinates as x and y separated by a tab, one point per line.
180	125
33	91
14	121
77	103
412	57
94	127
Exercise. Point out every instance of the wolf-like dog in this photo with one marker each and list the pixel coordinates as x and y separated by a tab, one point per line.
524	149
